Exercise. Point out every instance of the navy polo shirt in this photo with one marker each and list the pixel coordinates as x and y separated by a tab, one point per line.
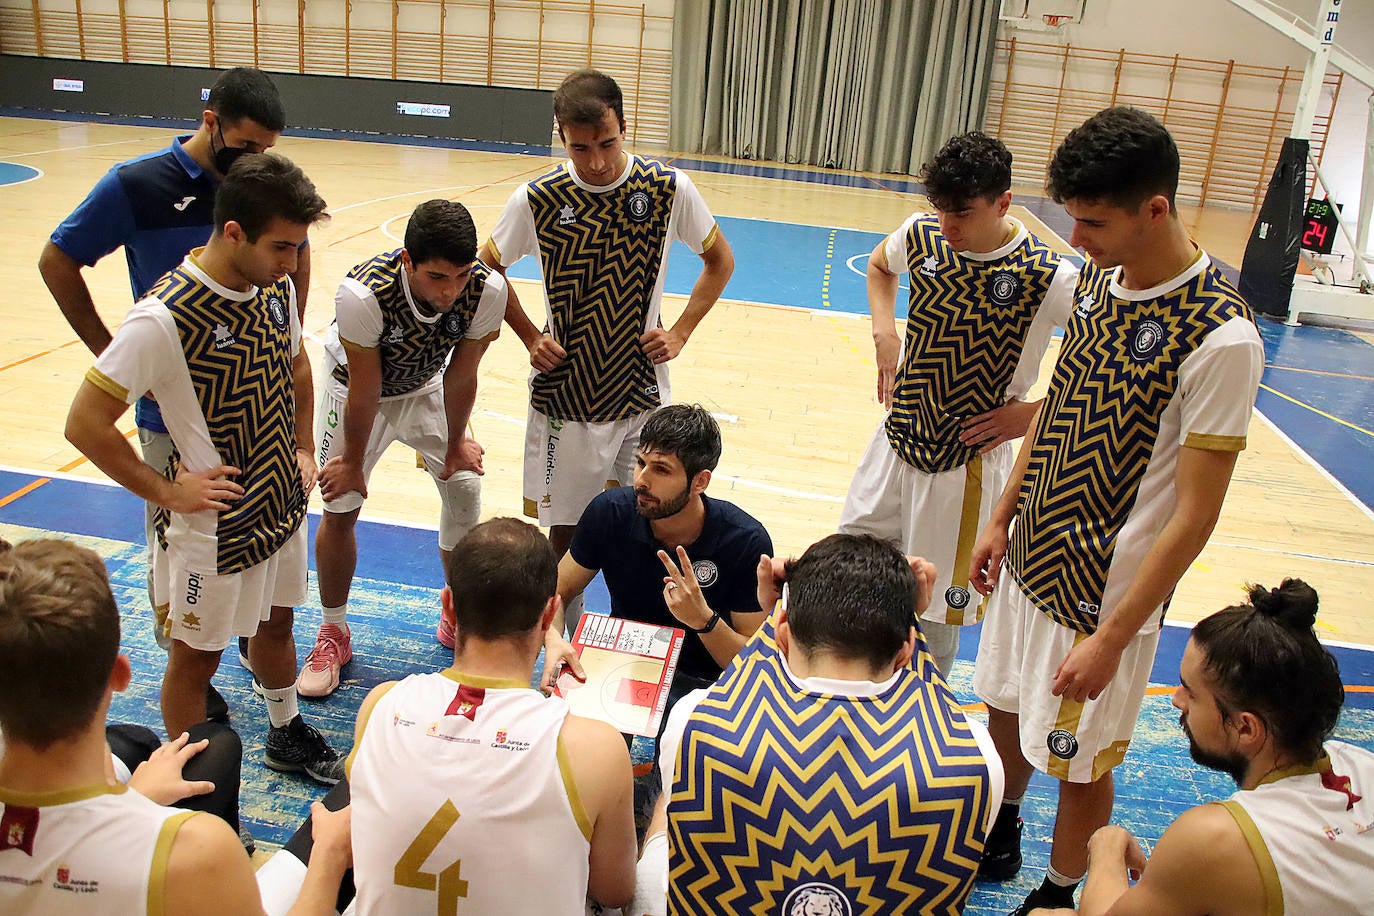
612	537
158	207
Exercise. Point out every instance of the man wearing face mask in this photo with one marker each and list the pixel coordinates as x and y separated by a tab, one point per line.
158	207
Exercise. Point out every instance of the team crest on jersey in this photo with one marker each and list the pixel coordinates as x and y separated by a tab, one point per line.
276	310
1084	306
17	828
928	266
396	336
1002	288
453	324
466	702
1147	340
1062	744
638	205
956	597
566	216
222	336
706	572
816	898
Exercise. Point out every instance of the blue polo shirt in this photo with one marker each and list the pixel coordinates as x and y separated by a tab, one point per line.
158	207
612	537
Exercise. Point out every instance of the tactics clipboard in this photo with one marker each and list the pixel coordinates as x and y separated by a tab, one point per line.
629	667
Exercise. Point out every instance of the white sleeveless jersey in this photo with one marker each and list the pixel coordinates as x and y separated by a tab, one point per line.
95	850
463	797
1312	833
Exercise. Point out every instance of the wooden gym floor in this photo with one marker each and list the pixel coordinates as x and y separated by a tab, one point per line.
785	361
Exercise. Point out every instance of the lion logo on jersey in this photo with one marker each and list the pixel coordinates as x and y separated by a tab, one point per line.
1003	288
816	899
638	205
1062	744
1148	340
706	572
276	310
957	597
453	324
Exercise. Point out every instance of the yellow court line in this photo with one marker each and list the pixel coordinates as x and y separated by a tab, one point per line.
1319	412
1357	378
24	490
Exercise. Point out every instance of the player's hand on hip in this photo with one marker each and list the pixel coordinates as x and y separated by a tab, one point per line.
989	551
546	355
925	571
660	345
771	573
466	456
1087	670
682	592
559	654
310	472
159	778
886	350
986	431
196	491
338	477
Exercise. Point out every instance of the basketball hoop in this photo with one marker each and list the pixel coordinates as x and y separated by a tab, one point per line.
1055	21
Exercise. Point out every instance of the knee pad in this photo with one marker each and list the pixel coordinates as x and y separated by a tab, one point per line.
460	506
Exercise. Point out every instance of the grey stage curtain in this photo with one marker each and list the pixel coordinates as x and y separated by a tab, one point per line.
857	84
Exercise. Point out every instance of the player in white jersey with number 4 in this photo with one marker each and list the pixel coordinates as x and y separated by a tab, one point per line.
470	789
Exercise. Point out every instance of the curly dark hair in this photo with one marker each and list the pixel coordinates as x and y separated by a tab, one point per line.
1121	155
969	166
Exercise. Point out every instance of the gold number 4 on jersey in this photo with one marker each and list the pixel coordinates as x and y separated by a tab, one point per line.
449	881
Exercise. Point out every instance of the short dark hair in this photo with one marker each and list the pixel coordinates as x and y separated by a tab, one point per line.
441	229
854	595
59	637
1121	155
261	187
1263	657
969	166
247	92
502	573
583	97
687	431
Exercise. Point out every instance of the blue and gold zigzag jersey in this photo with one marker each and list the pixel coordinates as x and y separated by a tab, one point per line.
239	358
782	795
601	254
968	322
1099	484
412	350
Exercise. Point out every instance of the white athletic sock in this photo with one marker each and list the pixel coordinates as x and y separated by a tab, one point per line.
1059	880
337	615
281	704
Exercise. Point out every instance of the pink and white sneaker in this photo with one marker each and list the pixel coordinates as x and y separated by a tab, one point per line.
333	649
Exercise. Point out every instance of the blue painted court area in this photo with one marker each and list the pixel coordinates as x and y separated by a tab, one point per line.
12	173
393	611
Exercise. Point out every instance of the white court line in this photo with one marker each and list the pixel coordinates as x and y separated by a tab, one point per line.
37	174
1321	470
72	149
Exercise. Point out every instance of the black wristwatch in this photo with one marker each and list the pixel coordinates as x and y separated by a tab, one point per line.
710	624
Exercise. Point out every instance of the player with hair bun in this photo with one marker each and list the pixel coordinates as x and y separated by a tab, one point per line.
1259	697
